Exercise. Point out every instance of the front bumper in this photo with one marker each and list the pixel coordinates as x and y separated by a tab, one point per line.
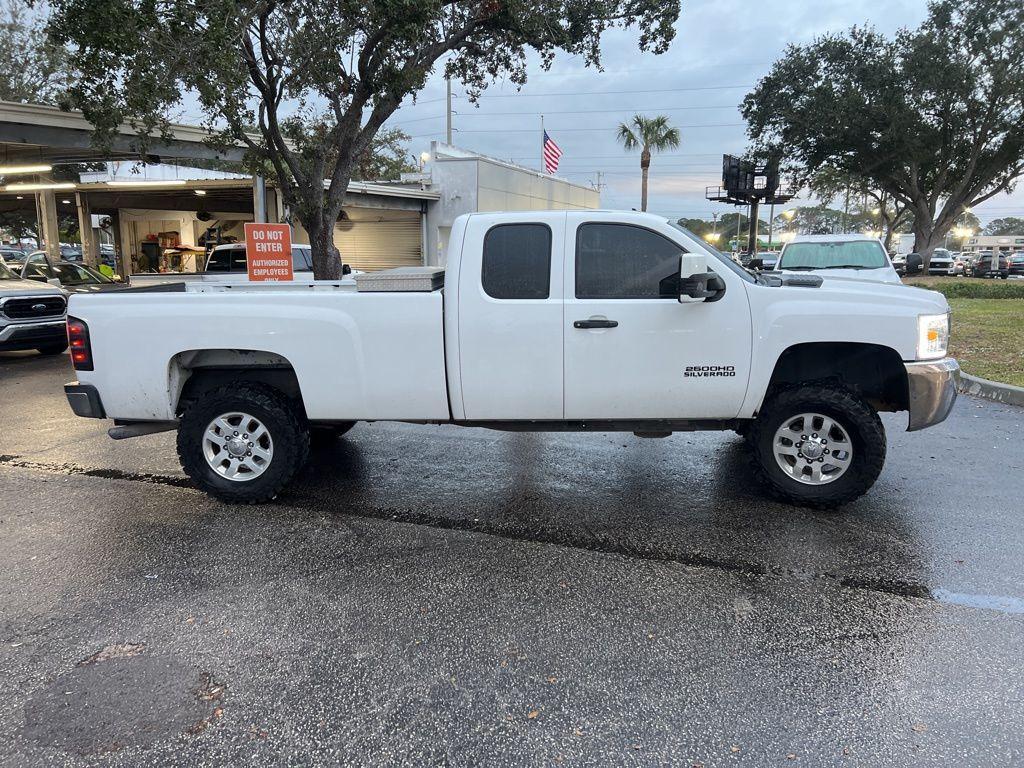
84	400
931	386
21	336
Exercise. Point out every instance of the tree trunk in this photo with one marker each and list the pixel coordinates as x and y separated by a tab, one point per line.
928	236
326	258
645	165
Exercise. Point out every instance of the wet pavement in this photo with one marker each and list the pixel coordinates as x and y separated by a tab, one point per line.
436	595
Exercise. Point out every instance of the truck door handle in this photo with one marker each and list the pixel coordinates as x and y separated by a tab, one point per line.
596	324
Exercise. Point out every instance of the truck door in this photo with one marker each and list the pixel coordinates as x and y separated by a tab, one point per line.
510	318
632	350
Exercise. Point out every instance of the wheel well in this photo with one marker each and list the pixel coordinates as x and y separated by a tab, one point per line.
875	372
197	371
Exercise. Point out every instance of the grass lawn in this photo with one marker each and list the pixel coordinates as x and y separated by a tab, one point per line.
988	338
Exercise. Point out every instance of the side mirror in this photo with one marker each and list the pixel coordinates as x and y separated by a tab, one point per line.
755	264
54	281
346	269
696	283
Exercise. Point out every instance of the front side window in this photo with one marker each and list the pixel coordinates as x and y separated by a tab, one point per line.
517	261
622	261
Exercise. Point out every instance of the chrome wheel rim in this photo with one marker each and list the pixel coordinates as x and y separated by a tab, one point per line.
237	446
813	449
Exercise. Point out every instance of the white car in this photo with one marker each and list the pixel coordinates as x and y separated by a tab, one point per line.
547	320
851	256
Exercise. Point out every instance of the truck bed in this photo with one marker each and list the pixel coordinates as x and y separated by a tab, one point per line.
357	356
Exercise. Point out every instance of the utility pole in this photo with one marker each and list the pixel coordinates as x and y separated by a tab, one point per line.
714	226
448	131
846	210
771	225
542	170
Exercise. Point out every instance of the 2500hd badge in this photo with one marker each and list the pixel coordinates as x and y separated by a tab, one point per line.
707	371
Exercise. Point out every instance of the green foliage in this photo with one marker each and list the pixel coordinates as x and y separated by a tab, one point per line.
975	288
32	68
386	159
933	117
1010	225
648	134
317	78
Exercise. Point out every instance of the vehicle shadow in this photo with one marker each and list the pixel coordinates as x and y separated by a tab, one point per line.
638	498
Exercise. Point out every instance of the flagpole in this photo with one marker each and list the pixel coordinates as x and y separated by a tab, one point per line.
542	143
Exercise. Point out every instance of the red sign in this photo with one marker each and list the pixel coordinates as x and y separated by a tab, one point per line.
268	251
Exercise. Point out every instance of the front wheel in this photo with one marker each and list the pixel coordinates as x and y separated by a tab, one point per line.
818	445
242	443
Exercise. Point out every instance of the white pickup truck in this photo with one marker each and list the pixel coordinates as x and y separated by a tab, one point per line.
581	320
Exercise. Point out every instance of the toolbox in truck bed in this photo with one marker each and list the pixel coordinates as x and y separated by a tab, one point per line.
414	279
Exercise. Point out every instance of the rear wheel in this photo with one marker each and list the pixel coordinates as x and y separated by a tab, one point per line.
58	348
818	445
242	443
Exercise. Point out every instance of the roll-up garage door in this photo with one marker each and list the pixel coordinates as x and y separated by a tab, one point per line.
371	240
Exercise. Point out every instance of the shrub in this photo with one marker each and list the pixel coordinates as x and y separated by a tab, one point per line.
975	289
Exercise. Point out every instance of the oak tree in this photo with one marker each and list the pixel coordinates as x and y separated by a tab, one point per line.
317	78
934	117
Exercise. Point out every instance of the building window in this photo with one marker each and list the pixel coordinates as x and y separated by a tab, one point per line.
622	261
517	261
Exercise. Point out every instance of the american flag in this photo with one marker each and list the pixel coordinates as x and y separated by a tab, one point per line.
551	154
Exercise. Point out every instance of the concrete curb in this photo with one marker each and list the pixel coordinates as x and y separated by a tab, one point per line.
990	390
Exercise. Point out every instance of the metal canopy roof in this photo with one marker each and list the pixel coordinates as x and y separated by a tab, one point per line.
37	132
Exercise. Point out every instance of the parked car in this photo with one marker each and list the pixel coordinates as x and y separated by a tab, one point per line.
31	315
73	278
960	264
857	256
1017	265
550	320
991	265
908	263
13	258
227	263
941	262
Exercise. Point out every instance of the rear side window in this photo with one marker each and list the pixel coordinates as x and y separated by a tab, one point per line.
622	261
517	261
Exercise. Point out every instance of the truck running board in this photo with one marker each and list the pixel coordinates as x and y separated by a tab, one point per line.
140	428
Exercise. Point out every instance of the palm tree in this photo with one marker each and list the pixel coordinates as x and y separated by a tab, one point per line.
651	135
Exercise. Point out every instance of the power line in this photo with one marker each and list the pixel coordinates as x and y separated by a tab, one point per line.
609	93
573	130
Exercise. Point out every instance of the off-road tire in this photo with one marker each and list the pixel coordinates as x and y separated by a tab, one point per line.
861	423
58	348
285	422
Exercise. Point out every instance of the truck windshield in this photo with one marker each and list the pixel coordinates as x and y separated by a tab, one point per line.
854	254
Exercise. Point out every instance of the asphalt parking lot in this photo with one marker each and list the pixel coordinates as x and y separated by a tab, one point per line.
435	595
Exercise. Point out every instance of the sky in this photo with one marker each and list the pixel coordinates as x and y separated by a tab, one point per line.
722	48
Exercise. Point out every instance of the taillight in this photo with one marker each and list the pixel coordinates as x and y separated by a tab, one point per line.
78	340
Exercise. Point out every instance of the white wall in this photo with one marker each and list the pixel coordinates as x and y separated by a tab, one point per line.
470	183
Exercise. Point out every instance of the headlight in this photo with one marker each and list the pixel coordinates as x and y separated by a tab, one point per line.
932	336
